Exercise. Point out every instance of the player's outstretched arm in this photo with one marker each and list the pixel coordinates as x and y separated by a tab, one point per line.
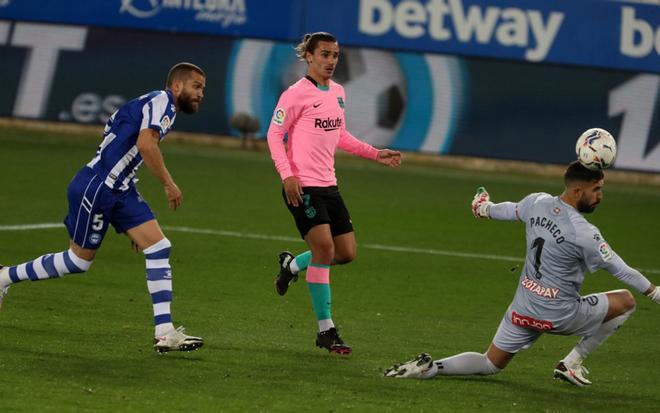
389	157
618	268
147	145
482	207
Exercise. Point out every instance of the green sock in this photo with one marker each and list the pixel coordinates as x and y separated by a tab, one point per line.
320	294
318	283
301	262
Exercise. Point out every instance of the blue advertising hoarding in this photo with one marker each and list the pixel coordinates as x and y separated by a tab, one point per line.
601	33
245	18
617	34
418	102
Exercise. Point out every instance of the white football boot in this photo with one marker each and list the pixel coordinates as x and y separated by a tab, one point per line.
574	374
413	369
176	340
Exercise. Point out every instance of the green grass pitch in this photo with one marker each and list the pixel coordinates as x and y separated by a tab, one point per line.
83	343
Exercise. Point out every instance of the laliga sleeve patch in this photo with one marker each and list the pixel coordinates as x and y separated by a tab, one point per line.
605	251
279	116
165	123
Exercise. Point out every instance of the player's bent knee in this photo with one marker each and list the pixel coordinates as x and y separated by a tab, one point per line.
323	252
342	260
345	258
629	301
625	300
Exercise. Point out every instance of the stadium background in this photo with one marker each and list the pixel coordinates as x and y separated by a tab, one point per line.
428	277
501	84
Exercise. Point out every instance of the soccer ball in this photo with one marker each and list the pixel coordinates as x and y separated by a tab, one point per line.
596	149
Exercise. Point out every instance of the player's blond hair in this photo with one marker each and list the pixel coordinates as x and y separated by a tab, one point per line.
310	41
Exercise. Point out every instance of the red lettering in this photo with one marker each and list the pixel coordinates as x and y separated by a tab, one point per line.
530	322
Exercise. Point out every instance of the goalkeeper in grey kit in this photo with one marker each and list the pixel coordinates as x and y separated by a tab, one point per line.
561	246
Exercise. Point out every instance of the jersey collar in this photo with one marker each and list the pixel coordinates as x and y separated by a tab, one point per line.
170	96
315	83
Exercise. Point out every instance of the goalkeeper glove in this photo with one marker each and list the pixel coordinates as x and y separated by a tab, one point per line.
481	203
655	295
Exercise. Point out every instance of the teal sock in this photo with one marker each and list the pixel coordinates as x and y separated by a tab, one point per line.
318	277
301	262
320	294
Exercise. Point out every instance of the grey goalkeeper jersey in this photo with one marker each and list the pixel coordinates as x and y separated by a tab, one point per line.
561	247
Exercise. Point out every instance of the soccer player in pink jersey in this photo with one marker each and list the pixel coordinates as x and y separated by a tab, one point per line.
311	114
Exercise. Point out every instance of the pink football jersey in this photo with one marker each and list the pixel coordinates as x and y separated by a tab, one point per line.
313	118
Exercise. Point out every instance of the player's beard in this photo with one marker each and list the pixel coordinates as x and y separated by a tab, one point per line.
584	207
187	103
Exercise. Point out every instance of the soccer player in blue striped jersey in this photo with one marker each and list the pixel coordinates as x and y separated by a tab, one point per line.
103	192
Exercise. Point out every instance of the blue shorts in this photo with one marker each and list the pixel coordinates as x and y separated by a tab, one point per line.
93	206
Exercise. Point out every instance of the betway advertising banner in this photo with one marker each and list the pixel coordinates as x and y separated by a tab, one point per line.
602	33
416	102
619	34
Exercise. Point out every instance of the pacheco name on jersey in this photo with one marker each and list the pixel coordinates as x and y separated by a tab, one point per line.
547	223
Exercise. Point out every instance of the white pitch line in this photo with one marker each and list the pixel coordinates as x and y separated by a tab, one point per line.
30	227
441	252
230	233
248	235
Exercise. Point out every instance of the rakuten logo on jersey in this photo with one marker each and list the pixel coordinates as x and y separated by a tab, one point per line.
529	322
224	12
328	124
446	20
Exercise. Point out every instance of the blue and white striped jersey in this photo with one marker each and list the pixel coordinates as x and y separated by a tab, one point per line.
117	159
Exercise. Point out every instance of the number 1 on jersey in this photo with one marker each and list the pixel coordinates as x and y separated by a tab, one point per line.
538	244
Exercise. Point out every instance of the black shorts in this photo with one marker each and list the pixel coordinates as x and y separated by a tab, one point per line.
321	205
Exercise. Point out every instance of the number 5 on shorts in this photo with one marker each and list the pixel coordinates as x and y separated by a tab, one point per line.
97	222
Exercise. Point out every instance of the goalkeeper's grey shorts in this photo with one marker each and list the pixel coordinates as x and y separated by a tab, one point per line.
518	331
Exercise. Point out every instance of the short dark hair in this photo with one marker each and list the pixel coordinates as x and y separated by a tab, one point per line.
576	172
310	41
181	71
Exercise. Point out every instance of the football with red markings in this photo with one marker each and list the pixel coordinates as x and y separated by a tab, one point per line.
596	149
